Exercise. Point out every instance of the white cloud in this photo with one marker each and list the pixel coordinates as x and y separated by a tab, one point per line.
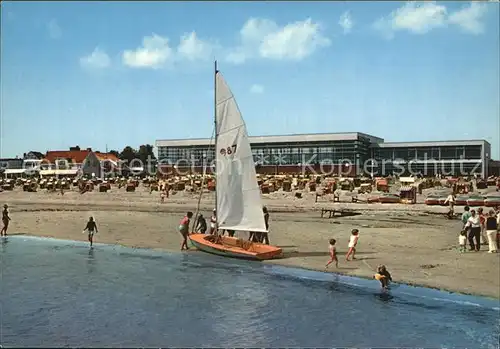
421	18
257	89
192	48
265	39
413	17
97	59
154	53
55	31
346	22
468	18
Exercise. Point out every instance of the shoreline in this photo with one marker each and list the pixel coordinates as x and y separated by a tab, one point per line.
275	262
416	242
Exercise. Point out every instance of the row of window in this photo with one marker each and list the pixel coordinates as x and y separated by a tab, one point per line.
444	153
335	153
188	152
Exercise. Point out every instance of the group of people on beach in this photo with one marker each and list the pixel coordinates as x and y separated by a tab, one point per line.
90	227
202	228
480	228
382	274
351	252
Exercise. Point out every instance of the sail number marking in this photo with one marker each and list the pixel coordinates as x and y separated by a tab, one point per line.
229	150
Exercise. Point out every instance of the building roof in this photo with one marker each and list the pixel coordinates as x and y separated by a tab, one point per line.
37	154
432	143
106	156
76	156
11	159
14	171
59	172
312	137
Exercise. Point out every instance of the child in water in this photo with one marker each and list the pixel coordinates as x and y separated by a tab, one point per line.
353	241
462	241
91	229
383	276
333	254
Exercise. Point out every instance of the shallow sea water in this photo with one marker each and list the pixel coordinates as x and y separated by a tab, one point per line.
61	293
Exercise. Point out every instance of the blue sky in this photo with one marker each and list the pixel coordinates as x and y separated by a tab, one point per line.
117	74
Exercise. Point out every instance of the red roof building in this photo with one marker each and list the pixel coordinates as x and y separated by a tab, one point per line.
72	156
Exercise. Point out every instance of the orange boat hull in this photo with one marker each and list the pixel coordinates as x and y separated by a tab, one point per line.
235	247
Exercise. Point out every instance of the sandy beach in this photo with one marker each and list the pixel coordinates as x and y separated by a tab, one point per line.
418	245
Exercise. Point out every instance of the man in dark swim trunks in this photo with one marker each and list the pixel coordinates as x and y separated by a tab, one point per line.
5	220
201	225
91	229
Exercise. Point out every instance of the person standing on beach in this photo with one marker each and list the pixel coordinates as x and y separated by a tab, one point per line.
5	220
333	254
498	228
450	200
201	224
184	229
462	241
213	222
353	241
466	215
491	231
474	225
91	229
482	220
265	236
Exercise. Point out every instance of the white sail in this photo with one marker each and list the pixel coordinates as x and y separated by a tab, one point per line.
239	205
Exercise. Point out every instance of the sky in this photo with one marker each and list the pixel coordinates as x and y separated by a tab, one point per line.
112	74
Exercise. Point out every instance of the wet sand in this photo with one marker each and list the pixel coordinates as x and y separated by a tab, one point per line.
418	245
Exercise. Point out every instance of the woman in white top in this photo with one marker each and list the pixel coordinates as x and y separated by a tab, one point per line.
474	223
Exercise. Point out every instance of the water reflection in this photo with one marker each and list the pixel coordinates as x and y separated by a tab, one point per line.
5	241
244	304
91	261
128	298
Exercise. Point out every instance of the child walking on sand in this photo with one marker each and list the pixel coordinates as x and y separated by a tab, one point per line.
462	241
353	241
333	254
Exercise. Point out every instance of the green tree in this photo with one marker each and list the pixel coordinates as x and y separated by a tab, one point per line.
128	154
145	152
115	153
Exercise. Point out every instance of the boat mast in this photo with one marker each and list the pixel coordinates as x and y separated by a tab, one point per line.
215	150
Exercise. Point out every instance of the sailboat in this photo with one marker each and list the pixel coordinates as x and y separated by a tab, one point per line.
237	199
